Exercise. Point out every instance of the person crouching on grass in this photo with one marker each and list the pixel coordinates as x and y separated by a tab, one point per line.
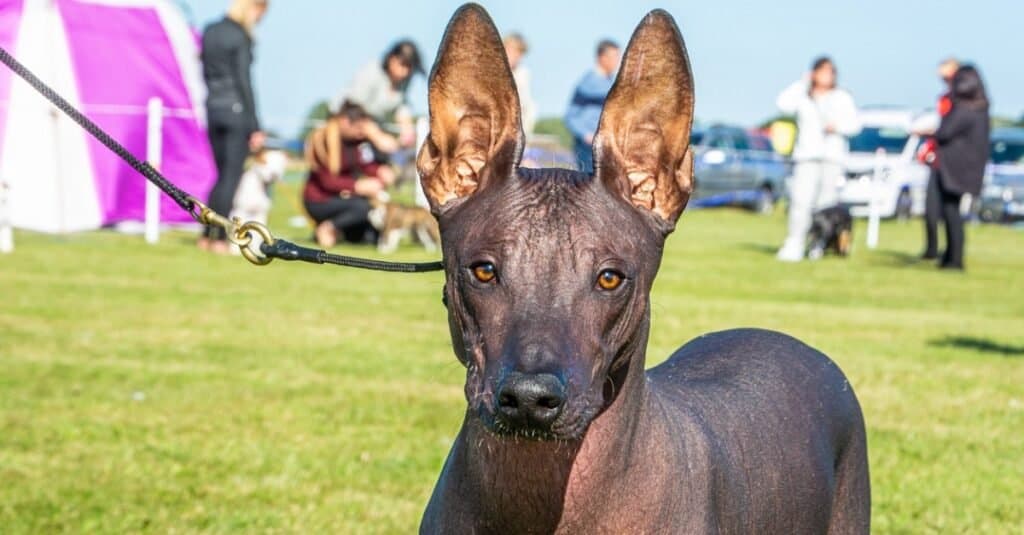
343	176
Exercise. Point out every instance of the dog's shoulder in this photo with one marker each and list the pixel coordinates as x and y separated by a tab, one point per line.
741	361
772	386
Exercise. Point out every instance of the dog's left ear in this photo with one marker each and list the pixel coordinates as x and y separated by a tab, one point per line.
641	148
476	138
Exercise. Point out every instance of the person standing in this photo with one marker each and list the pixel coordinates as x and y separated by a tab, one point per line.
381	88
962	152
515	49
233	127
825	116
587	101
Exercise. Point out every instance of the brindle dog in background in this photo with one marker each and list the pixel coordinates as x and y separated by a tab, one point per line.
548	280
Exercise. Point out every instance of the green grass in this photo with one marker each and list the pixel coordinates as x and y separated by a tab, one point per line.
157	389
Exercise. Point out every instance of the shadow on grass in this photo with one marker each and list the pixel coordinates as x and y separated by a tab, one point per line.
903	259
889	258
763	248
982	345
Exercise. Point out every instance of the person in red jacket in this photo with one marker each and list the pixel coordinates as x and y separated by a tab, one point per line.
344	176
928	155
961	155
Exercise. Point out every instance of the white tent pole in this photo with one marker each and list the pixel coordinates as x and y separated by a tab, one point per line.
873	207
154	150
53	19
6	232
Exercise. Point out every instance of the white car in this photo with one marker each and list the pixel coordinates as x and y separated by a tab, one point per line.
887	147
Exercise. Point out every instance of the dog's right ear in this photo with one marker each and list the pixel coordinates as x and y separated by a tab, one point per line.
642	143
476	138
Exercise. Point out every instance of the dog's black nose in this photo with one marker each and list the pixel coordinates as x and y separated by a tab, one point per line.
530	400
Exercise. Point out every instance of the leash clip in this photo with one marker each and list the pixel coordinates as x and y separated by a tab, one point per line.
238	233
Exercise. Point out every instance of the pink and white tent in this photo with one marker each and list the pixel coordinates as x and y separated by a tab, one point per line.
108	58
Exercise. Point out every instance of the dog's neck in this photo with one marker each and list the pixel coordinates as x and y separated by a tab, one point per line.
534	482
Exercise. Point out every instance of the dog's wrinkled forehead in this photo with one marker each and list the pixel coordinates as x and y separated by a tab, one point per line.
548	213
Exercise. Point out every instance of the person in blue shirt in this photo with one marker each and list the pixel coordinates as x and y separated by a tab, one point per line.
587	101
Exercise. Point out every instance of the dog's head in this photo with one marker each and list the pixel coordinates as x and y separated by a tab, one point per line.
270	165
549	271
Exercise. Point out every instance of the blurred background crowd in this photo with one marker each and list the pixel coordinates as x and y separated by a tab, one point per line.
825	152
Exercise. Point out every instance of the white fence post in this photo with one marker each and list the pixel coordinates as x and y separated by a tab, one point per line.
874	209
154	151
6	232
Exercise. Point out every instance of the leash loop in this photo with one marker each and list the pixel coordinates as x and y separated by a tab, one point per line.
248	229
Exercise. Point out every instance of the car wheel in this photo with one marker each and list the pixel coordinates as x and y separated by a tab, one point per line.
904	205
987	215
765	202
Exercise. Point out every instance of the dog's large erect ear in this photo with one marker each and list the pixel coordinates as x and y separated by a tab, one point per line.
642	144
476	137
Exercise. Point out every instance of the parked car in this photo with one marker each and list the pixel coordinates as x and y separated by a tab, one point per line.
736	167
1002	196
886	142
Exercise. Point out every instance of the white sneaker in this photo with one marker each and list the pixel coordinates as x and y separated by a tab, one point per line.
790	253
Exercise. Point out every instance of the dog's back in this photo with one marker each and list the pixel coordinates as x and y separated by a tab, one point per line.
745	389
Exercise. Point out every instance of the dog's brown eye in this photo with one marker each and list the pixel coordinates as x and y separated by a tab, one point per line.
609	279
484	272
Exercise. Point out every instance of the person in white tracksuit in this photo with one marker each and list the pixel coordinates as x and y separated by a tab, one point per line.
825	117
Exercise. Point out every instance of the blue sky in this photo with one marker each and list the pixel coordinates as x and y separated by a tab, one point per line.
743	52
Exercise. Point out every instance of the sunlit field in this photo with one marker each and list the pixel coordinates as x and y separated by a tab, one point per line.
157	389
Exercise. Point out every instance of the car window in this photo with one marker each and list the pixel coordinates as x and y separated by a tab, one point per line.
720	141
696	138
1007	152
760	143
740	142
870	139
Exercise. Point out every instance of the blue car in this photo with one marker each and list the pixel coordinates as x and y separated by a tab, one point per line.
733	167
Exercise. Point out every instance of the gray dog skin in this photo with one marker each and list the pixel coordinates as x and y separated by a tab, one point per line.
742	431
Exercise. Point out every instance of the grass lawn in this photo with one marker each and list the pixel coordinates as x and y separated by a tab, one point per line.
157	389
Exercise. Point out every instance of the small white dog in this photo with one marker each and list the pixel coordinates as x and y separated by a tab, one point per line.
252	200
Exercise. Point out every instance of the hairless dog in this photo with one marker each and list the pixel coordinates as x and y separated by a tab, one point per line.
548	284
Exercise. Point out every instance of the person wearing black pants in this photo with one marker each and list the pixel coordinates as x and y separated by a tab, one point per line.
944	206
349	216
962	152
229	139
230	106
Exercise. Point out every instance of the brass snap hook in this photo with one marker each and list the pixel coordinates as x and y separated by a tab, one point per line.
245	232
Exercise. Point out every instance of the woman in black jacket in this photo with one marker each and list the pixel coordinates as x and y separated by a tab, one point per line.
962	152
230	106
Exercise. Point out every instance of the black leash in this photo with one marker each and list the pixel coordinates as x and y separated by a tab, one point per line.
239	233
286	250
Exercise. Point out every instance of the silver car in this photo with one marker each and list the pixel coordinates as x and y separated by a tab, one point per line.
733	167
1002	196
